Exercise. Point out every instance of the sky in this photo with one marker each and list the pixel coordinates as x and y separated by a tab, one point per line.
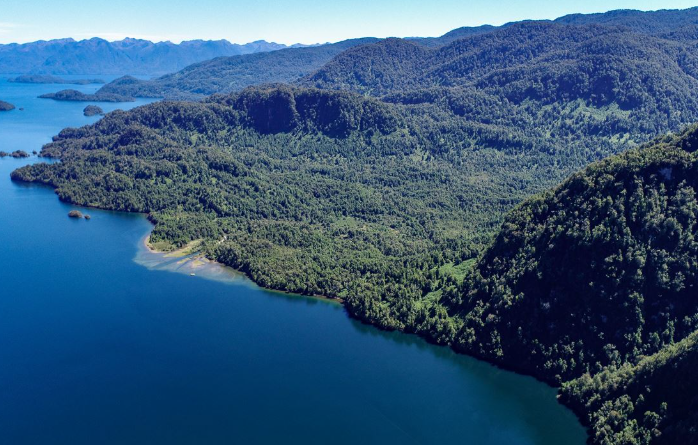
282	21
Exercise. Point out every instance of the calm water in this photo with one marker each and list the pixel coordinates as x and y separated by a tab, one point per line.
102	343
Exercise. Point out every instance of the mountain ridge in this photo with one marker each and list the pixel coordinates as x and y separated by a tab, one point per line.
193	83
120	57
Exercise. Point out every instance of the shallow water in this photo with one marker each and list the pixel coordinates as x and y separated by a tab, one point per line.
104	342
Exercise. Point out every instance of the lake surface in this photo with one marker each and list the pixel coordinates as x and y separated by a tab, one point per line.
103	342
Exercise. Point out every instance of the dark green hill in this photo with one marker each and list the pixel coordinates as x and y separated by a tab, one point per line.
589	279
77	96
228	74
597	272
535	61
651	22
375	69
476	54
653	401
599	80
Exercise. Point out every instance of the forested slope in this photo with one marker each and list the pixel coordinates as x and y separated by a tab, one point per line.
540	62
597	280
392	196
653	401
309	191
381	204
471	58
228	74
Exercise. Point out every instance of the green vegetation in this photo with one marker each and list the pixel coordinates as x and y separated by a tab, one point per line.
77	96
228	74
15	154
653	401
537	64
392	197
92	110
596	280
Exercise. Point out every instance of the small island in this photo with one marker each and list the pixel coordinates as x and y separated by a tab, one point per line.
46	79
92	110
77	96
14	154
6	106
77	214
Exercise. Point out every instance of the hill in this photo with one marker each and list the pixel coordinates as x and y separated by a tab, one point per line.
128	56
653	401
228	74
539	61
470	49
77	96
596	280
659	22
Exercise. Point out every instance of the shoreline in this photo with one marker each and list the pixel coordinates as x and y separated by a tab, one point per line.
188	253
181	253
580	416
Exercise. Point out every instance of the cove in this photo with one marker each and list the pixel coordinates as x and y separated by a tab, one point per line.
104	342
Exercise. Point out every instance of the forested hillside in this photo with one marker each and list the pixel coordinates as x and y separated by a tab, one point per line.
653	401
228	74
331	193
535	61
384	176
598	278
648	41
652	22
316	192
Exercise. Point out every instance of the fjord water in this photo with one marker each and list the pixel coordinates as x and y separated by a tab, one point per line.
97	348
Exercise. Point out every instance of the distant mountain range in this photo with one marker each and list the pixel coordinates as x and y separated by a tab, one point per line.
128	56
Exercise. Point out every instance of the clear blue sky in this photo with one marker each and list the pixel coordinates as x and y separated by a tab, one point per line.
283	21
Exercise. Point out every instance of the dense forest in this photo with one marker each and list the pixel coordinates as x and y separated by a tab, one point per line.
398	177
566	56
652	401
77	96
534	61
227	74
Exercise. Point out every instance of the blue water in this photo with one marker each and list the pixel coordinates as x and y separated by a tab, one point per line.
102	342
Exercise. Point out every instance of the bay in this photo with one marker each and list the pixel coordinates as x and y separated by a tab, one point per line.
104	342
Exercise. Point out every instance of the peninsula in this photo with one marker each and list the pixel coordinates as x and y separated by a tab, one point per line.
48	79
